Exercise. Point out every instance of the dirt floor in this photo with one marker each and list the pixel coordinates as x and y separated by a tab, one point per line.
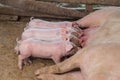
8	59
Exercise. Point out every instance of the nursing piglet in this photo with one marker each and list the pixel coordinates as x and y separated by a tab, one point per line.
65	26
50	34
52	50
43	34
37	23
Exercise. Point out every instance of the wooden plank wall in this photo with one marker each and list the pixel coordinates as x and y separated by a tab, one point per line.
89	8
102	2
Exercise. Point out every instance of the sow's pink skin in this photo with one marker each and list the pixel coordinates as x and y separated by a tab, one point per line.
43	49
94	20
97	18
99	59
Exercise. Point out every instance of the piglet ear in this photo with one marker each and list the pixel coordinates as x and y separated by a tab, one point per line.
69	46
31	18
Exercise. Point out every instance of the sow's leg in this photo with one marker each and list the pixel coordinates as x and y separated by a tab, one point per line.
62	67
67	76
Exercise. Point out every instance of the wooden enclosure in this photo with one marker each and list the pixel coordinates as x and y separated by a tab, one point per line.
7	12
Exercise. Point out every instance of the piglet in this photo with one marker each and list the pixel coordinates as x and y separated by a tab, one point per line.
54	50
49	34
43	34
39	23
65	26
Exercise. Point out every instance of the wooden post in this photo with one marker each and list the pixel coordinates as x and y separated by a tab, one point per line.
89	8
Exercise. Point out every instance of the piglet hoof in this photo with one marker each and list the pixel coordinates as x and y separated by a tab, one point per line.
27	62
20	67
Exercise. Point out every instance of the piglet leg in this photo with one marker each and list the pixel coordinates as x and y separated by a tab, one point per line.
27	61
23	60
20	61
